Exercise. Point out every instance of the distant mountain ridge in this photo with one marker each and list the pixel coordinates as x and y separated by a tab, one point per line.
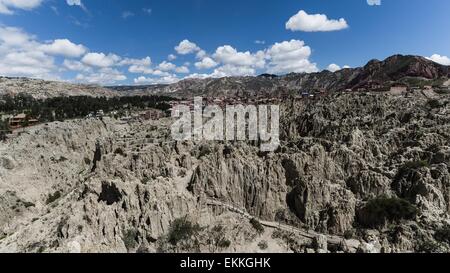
410	70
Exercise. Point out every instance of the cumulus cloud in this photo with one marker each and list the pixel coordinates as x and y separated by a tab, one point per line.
201	54
7	6
374	2
229	55
303	21
444	60
186	47
147	61
166	66
182	70
162	80
100	59
171	57
333	67
64	47
76	66
103	76
206	63
290	56
20	55
77	3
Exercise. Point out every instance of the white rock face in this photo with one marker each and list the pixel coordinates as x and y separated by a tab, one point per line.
106	186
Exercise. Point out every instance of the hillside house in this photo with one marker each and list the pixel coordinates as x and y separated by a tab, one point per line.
17	121
398	89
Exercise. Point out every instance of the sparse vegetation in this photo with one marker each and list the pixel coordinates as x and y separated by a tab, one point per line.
257	226
433	104
216	239
182	229
130	238
28	204
443	234
380	211
428	247
415	165
263	245
119	151
53	197
183	236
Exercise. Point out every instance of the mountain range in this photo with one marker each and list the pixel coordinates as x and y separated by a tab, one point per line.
376	74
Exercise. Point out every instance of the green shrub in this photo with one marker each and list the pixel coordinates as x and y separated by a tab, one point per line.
53	197
216	239
119	151
414	165
443	234
28	204
428	247
433	104
263	245
410	166
129	238
224	243
182	229
257	226
383	210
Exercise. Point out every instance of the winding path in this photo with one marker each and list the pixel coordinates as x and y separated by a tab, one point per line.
332	240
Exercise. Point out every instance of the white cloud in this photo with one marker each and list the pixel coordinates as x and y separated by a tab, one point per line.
160	73
127	14
20	55
76	66
186	47
374	2
333	67
100	59
229	70
290	56
197	76
139	69
166	66
206	63
201	54
147	61
314	22
229	55
64	47
260	42
78	3
7	6
103	76
16	37
444	60
162	80
171	57
182	70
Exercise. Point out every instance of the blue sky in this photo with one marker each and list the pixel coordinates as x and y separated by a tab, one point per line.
129	42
